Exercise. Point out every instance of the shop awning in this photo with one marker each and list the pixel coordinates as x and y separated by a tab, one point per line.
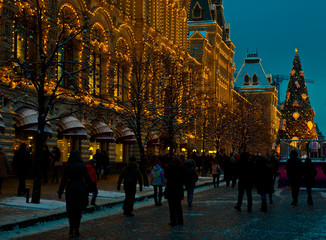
126	136
153	139
2	124
70	126
102	132
27	120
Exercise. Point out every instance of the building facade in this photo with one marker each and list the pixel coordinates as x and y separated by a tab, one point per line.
253	83
106	32
209	43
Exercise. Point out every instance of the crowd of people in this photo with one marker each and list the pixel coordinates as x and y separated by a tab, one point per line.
170	178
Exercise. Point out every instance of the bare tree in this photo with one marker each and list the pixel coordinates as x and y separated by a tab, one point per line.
219	124
137	71
247	130
180	89
43	61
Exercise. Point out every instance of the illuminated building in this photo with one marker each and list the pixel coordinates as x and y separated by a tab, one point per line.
113	28
253	83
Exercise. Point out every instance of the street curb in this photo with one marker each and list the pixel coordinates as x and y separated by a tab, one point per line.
59	216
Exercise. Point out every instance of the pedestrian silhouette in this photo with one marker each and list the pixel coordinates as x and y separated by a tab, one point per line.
294	173
4	166
264	181
157	180
191	177
129	175
92	173
56	163
174	191
21	162
74	180
309	174
246	178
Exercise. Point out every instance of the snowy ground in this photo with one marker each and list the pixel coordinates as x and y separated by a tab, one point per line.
58	224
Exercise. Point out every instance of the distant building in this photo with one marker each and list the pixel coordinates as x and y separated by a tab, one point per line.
253	83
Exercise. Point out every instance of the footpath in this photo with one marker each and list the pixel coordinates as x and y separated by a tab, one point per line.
16	213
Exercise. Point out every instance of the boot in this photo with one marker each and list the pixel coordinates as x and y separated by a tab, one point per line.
71	227
77	224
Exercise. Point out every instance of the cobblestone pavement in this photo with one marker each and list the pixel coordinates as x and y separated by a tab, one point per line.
211	217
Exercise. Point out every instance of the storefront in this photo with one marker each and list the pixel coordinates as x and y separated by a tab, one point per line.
125	139
26	127
71	133
152	145
102	138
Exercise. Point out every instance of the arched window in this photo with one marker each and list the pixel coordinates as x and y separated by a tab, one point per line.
246	80
98	60
121	71
68	54
254	79
197	12
25	36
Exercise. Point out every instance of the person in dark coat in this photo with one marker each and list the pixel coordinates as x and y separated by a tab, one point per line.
294	173
21	162
4	166
309	174
74	180
191	178
264	181
99	162
45	163
246	179
227	169
129	175
105	164
56	163
174	176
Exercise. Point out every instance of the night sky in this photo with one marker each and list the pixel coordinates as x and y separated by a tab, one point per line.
276	28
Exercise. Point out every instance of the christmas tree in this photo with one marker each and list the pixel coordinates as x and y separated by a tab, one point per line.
297	116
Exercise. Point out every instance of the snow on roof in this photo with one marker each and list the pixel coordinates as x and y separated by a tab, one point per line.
201	22
252	66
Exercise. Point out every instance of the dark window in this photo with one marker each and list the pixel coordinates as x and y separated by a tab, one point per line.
197	12
246	80
254	79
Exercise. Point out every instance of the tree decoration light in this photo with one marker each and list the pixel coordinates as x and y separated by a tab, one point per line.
310	125
296	115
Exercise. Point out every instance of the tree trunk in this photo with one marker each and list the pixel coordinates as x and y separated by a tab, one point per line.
38	165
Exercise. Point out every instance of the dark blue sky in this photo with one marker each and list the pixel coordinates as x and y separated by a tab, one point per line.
276	28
